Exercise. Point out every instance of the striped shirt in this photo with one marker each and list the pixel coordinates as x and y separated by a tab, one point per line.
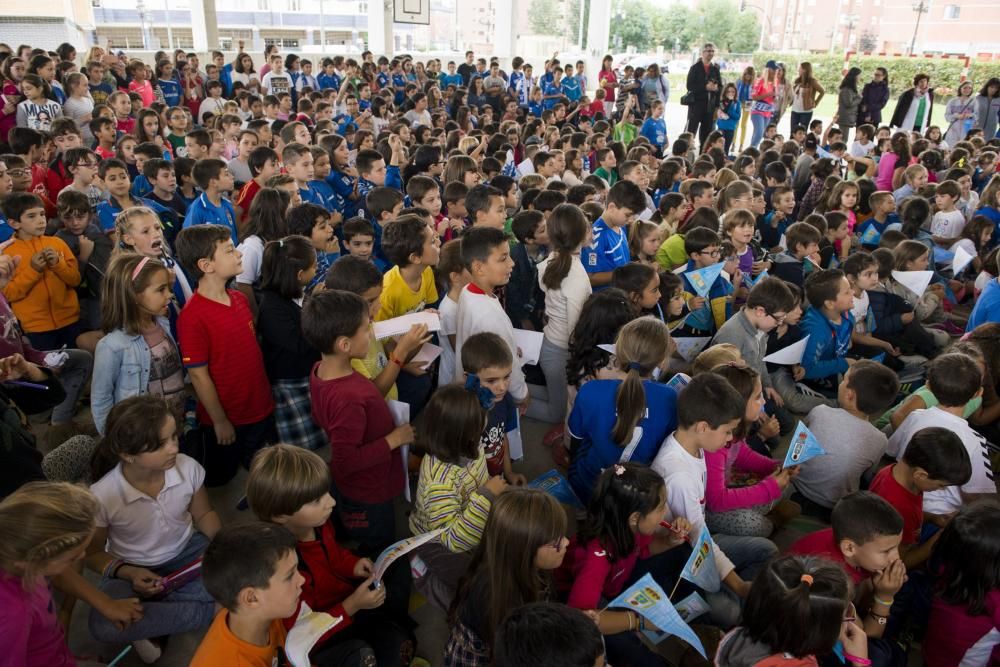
449	497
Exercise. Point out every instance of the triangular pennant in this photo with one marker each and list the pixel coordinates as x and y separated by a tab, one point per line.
700	568
871	236
789	356
803	447
960	261
701	280
645	597
915	281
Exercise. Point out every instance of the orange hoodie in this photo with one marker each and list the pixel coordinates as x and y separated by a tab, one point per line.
46	300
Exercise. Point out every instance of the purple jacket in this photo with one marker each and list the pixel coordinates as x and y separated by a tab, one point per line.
874	97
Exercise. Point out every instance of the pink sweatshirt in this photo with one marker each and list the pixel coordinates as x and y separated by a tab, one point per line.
589	574
720	497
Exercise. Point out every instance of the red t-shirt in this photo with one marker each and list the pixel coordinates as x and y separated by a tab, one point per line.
245	198
222	337
821	543
909	505
356	420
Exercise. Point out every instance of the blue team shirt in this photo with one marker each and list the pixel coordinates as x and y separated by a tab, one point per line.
551	88
204	212
535	109
326	81
109	209
141	186
398	82
571	89
6	231
609	251
342	186
987	307
515	78
312	195
655	129
382	79
446	80
171	90
593	420
331	202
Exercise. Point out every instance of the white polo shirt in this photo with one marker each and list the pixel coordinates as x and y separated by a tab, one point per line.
143	530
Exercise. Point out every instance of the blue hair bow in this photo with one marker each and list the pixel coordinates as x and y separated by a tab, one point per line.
474	386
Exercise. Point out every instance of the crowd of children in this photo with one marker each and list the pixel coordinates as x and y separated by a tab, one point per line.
222	258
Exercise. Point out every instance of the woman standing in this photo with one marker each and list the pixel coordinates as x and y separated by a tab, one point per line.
608	80
988	108
782	94
848	102
915	106
763	102
806	94
744	87
654	87
961	113
874	97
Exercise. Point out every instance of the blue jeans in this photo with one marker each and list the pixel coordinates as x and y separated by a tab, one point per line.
190	607
760	124
799	119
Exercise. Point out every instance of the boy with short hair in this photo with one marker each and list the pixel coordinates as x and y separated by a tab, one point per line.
606	163
486	255
65	135
313	222
706	419
359	241
425	192
773	225
548	633
198	144
454	203
852	444
365	460
883	208
82	165
948	379
768	303
915	177
263	164
161	176
829	325
935	458
948	222
383	205
42	291
336	581
485	207
610	245
114	173
409	286
298	163
251	569
525	301
105	134
215	331
803	241
211	207
91	248
487	359
707	313
864	541
276	82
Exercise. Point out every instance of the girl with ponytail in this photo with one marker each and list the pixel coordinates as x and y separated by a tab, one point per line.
615	421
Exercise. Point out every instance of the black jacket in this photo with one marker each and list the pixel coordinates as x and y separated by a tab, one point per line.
697	78
903	105
287	355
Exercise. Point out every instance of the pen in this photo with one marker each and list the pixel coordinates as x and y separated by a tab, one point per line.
665	524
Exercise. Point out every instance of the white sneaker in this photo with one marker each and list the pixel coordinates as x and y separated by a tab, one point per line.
147	651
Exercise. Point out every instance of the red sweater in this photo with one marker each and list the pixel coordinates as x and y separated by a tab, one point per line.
328	569
356	420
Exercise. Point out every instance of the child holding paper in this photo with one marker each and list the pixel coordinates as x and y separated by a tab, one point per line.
912	258
708	293
853	446
290	486
829	325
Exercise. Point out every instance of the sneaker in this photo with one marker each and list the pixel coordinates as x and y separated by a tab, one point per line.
147	651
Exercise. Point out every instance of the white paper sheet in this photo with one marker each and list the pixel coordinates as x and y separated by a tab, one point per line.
689	348
308	628
427	354
916	281
790	355
401	415
398	326
608	347
530	344
960	261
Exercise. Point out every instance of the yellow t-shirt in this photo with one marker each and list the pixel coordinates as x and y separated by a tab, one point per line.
397	297
373	364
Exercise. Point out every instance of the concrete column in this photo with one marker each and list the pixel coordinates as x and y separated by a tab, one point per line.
380	27
598	29
503	28
204	25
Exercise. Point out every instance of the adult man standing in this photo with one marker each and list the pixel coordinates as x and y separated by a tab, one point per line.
468	68
704	81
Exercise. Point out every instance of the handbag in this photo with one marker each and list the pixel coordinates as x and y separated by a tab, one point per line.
687	98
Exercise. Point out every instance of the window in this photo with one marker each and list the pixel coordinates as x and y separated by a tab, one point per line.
294	5
951	12
264	5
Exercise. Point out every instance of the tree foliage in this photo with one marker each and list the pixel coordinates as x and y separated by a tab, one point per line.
545	17
646	24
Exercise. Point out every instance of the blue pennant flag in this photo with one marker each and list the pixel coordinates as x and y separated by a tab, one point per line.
557	486
942	256
803	447
700	569
749	281
871	236
702	279
645	597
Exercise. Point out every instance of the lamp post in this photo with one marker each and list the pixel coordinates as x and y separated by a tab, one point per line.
850	20
921	7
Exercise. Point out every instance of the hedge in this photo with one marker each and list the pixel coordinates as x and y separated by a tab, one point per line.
829	69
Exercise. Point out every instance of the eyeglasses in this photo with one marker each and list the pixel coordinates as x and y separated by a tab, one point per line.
17	172
780	319
92	165
711	253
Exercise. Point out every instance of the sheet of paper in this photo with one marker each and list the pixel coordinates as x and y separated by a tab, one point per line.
961	260
400	548
530	344
689	348
916	281
398	326
607	347
308	628
790	355
401	415
514	443
427	354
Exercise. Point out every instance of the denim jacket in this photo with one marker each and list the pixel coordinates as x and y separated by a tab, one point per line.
121	370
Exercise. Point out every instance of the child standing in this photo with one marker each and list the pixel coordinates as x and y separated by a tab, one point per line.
610	245
287	267
266	223
654	128
211	207
455	491
730	112
45	528
487	364
138	354
216	332
453	275
414	249
137	544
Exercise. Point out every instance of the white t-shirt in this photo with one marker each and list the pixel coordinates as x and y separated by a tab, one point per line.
563	304
148	531
948	224
860	312
859	149
448	312
949	499
252	249
276	84
685	477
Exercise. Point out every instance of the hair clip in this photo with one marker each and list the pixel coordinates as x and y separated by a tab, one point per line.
281	243
138	268
619	470
807	579
475	387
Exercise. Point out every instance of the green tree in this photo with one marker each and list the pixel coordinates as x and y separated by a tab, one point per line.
674	27
630	25
544	17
